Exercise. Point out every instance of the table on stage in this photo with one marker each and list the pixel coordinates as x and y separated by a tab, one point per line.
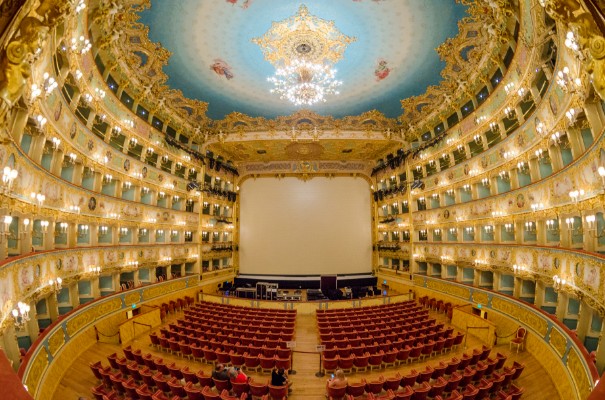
248	293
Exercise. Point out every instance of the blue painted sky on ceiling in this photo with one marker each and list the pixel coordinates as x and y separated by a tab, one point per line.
200	33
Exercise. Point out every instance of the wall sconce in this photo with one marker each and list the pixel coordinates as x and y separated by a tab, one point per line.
479	120
161	195
469	230
558	283
522	166
503	175
592	227
530	227
129	123
94	271
489	229
509	87
542	155
508	227
571	42
116	131
406	235
537	206
477	138
159	232
437	232
519	269
165	158
509	112
107	178
142	232
55	143
80	45
61	229
145	190
405	204
188	235
21	315
460	148
55	284
601	171
132	264
150	151
497	214
421	200
127	185
103	230
571	115
494	127
38	198
176	198
566	82
83	230
552	226
574	195
418	168
179	165
43	229
123	232
453	231
466	187
174	233
133	142
112	215
8	176
485	182
570	222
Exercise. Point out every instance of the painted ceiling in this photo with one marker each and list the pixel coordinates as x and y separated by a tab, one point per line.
214	59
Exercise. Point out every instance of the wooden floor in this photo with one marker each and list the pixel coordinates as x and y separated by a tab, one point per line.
78	379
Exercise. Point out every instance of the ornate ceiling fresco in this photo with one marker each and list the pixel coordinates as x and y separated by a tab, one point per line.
204	65
214	59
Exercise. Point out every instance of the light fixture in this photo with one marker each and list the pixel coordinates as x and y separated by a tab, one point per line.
537	206
508	227
21	315
552	225
519	269
8	176
566	82
522	166
123	232
95	271
55	284
83	230
38	198
509	112
575	195
142	232
593	228
61	229
103	230
559	283
303	49
530	227
80	45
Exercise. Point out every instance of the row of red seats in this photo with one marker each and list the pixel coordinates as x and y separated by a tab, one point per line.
204	339
475	369
415	320
252	356
379	307
235	311
261	324
360	358
138	381
373	314
357	336
174	306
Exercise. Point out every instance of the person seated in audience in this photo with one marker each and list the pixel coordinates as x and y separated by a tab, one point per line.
237	375
280	378
220	373
339	380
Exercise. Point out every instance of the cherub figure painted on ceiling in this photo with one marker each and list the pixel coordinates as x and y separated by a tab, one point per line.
382	70
221	68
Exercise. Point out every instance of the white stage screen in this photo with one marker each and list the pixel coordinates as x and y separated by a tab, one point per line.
316	227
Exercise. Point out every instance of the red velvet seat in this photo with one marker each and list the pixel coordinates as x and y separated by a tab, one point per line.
258	389
330	364
221	385
361	362
336	393
356	389
422	392
404	394
375	386
278	392
375	360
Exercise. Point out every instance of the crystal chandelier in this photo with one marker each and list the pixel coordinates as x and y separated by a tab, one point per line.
304	83
303	49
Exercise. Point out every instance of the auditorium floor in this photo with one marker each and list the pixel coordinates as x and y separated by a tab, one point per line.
78	379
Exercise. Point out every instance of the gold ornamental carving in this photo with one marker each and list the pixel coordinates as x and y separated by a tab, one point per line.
36	370
56	340
480	297
303	36
579	373
132	298
558	341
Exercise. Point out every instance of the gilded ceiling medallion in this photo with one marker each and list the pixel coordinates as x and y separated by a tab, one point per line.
303	36
311	150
